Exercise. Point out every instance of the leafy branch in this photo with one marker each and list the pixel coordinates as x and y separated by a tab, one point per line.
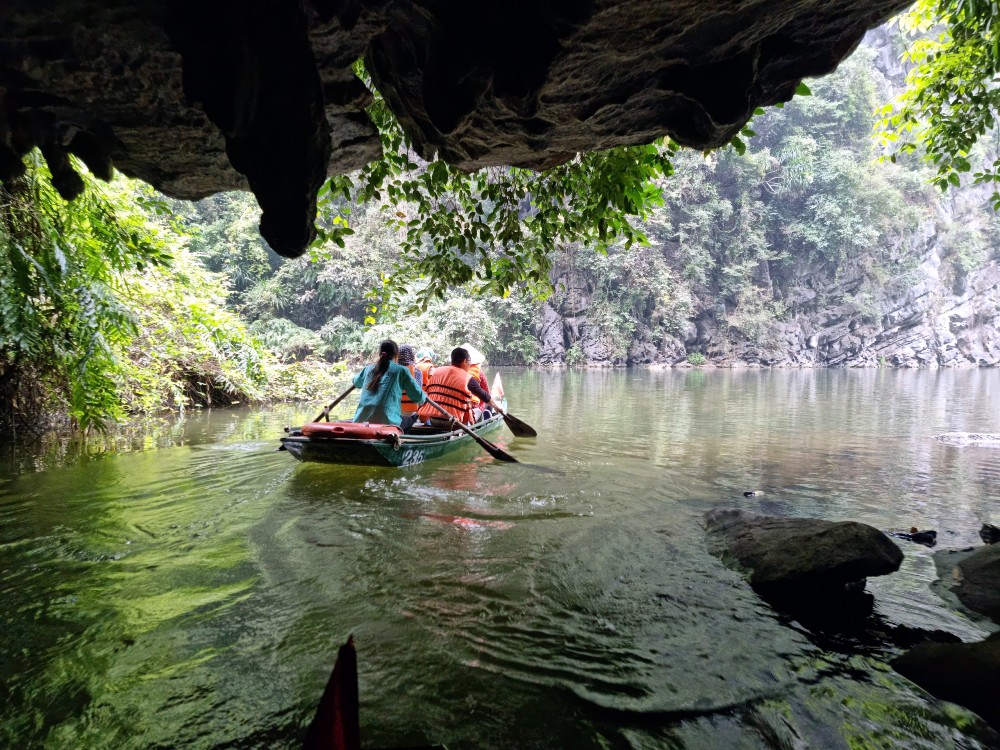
496	228
952	98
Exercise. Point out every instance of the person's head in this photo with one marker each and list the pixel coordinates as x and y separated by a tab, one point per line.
406	355
388	349
387	352
460	358
425	355
476	357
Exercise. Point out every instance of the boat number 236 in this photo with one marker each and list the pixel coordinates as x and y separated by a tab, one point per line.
412	457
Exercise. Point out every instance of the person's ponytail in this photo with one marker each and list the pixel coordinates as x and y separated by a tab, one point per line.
386	353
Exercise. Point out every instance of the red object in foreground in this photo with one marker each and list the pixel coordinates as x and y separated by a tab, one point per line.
337	723
357	430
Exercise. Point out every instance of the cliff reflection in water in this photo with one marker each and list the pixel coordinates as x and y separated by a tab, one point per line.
194	595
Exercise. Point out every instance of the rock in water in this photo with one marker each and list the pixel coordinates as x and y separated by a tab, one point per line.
978	582
785	554
927	538
964	673
990	534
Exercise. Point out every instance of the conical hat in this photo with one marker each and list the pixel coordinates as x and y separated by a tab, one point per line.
476	357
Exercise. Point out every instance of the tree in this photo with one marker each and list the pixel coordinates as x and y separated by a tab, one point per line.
62	269
952	99
104	311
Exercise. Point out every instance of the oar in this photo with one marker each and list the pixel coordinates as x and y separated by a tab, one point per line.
515	425
325	414
494	450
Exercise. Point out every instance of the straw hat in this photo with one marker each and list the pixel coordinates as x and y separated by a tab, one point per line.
476	357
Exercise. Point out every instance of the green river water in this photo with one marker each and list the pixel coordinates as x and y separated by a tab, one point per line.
191	589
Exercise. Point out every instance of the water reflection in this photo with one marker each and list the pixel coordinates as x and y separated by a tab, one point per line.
193	590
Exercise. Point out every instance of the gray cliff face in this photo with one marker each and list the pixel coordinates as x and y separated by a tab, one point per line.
945	318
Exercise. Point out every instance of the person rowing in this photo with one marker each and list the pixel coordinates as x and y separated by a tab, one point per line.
477	372
382	386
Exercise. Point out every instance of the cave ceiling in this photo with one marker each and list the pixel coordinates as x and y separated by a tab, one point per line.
201	96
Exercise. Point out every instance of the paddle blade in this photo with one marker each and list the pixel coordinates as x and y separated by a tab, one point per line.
337	724
519	428
496	451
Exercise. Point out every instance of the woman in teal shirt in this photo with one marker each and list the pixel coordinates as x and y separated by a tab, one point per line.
382	385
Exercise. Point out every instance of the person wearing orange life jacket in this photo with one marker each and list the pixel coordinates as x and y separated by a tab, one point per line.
407	407
452	389
477	372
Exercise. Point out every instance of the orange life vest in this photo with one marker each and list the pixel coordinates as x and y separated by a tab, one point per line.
406	406
450	389
425	368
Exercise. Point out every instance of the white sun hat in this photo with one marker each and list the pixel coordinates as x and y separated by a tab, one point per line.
476	357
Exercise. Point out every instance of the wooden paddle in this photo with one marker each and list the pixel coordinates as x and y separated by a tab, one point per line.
325	414
494	450
515	425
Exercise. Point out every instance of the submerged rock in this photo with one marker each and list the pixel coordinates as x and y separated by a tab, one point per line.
790	554
981	440
963	673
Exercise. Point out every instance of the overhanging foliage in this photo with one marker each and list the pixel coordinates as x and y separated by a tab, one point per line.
952	98
497	227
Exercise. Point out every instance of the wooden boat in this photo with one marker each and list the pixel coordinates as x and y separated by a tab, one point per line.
419	445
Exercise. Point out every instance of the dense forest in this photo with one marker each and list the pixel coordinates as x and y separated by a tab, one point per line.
798	244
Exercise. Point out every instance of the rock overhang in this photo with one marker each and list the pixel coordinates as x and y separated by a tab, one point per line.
197	98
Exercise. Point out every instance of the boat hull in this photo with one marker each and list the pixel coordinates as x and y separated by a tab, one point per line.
409	450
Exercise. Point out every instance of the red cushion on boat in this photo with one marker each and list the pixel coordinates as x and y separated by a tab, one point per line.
357	430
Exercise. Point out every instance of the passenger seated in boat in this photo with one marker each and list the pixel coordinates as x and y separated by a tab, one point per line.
452	388
382	386
477	372
407	407
425	363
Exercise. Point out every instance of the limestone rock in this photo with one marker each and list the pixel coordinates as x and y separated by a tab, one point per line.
198	97
531	84
550	337
963	673
799	553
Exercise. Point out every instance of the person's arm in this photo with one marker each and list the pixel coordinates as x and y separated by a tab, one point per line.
419	377
412	387
359	379
478	391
